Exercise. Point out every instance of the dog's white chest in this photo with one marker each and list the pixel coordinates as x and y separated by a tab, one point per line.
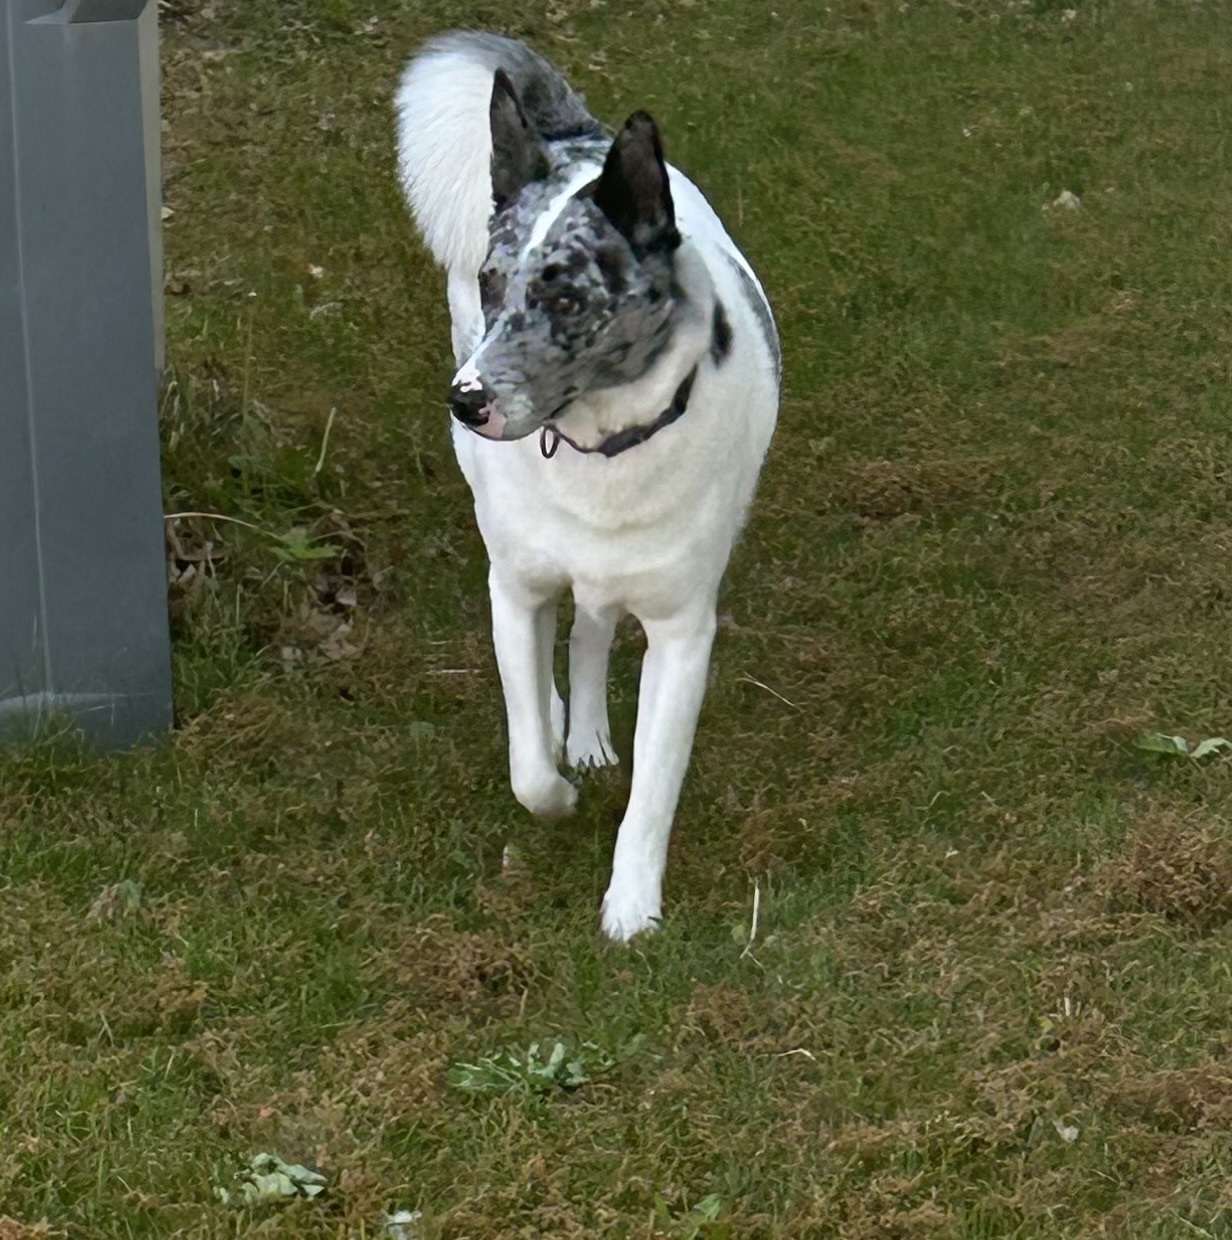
634	533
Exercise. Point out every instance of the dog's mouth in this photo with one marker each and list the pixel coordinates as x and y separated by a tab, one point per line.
493	425
489	422
500	427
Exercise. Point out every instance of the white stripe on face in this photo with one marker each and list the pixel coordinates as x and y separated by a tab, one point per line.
551	213
468	377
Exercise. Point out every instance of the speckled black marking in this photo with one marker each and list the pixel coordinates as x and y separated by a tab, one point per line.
570	154
579	312
595	304
491	294
612	266
761	308
720	334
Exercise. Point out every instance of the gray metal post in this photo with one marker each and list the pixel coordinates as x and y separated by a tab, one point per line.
83	617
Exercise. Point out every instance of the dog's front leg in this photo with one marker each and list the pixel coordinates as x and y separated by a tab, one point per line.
673	685
520	633
547	659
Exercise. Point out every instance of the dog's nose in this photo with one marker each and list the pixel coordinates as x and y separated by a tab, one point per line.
469	405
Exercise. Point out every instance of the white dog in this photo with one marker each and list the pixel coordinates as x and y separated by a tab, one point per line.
617	389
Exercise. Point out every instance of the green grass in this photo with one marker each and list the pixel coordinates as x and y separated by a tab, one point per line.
991	546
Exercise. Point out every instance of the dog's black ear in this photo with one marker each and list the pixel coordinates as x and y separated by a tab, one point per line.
633	191
517	155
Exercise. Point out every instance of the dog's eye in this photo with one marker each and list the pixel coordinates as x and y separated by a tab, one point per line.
549	273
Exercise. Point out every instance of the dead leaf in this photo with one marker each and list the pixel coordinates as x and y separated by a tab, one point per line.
337	647
12	1229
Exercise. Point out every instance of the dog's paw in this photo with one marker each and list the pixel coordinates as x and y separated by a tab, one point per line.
626	913
548	797
589	750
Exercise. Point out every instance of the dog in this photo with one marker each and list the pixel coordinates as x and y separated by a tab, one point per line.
616	391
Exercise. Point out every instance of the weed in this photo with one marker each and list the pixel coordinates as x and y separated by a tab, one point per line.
1179	747
531	1072
267	1180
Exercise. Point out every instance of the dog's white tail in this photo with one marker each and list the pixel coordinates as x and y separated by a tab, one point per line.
445	140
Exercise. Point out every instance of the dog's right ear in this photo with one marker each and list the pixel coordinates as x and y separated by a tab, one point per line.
517	155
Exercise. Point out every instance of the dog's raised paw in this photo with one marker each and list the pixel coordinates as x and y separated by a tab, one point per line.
623	916
591	751
553	797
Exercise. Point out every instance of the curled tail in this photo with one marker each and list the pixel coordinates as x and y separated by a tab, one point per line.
445	140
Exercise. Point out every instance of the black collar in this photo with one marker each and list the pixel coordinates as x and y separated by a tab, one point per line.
622	441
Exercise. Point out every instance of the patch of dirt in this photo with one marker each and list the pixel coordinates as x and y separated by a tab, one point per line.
390	1068
883	1214
879	491
774	838
719	1015
259	730
161	1002
438	966
1175	867
1180	1100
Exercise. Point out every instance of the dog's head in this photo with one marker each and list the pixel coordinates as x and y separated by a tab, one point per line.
578	289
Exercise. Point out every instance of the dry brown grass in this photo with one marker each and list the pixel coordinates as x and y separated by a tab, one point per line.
1175	865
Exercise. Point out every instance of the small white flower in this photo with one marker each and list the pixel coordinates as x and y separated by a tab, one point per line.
1066	200
403	1224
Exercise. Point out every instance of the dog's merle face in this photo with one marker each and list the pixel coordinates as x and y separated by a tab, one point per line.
585	304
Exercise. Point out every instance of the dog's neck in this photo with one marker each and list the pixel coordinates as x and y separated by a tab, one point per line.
598	416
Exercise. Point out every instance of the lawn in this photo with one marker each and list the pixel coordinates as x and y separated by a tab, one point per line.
989	992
